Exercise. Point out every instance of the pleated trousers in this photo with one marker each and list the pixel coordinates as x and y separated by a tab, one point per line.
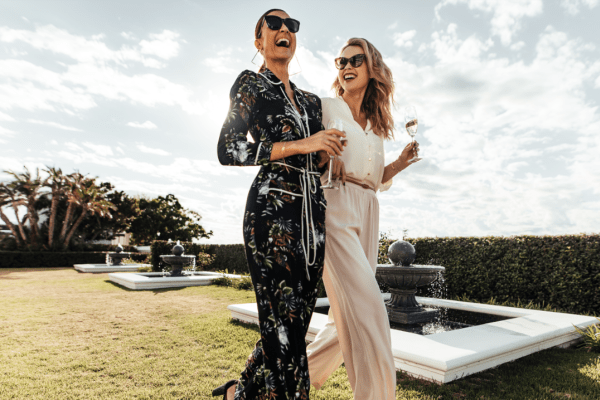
358	330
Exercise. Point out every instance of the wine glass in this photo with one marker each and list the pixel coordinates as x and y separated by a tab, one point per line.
412	123
339	125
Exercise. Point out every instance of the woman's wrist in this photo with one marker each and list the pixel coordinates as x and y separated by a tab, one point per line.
398	165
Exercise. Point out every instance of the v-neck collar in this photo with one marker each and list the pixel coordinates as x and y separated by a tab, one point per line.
274	80
367	127
270	76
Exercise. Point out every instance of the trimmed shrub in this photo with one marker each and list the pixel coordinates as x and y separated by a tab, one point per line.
46	259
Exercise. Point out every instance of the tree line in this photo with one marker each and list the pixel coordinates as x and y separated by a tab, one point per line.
75	208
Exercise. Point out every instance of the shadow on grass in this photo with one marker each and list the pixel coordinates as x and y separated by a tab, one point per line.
155	291
246	325
6	271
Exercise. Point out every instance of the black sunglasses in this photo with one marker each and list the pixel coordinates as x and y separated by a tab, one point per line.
356	61
274	22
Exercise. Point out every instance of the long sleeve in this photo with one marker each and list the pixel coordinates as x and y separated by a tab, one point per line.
233	147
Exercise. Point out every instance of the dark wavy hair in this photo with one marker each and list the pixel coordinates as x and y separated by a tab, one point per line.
379	97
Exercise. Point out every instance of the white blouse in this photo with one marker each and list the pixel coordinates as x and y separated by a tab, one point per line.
363	156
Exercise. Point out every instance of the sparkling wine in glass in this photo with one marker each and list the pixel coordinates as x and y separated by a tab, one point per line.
339	125
412	123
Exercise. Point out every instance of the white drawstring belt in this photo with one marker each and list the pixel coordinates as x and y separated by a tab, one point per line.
309	187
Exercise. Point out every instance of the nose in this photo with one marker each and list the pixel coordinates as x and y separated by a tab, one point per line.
283	28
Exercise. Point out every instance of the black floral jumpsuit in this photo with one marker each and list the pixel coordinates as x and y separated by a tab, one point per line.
284	229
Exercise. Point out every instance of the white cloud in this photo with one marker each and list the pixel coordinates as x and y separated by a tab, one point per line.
144	125
507	14
145	149
54	125
93	50
318	70
5	117
517	46
99	149
225	63
5	132
164	45
496	156
33	88
97	71
404	39
574	6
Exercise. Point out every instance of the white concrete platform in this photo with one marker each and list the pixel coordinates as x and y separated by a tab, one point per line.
447	356
101	268
156	280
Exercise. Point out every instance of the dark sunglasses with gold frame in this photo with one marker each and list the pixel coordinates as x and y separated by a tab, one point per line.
356	61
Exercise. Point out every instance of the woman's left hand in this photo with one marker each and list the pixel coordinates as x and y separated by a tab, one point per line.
410	151
322	158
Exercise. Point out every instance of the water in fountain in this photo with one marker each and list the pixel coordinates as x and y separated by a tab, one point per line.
405	313
178	261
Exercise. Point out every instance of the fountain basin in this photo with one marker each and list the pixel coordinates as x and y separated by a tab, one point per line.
159	280
447	356
103	268
403	281
177	262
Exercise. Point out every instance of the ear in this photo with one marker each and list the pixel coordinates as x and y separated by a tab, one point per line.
258	44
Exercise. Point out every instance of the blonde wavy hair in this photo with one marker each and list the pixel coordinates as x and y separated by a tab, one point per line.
379	97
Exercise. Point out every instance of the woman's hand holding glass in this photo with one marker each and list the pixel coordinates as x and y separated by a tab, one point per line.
335	125
409	155
326	142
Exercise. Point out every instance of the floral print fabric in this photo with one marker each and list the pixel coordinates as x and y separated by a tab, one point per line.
284	229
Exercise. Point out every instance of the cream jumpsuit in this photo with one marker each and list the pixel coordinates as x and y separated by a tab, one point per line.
360	335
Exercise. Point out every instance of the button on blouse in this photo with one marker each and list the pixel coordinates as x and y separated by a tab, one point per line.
364	155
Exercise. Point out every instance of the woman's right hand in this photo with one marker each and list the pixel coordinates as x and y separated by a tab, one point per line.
327	140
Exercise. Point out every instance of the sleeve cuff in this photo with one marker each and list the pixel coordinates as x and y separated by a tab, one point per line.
263	153
385	186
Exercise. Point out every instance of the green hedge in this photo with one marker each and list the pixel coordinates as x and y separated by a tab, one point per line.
45	259
102	247
561	271
231	257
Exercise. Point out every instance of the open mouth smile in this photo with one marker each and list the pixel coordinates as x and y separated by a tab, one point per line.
282	43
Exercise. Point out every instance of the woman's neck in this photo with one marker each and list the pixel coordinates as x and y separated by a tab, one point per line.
354	101
280	70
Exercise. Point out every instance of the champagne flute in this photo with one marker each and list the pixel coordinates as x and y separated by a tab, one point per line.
339	125
412	123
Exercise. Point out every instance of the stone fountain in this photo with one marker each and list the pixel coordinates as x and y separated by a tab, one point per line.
178	260
117	257
444	356
114	263
177	278
403	279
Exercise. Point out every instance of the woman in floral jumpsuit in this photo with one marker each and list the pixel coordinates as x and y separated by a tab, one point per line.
284	220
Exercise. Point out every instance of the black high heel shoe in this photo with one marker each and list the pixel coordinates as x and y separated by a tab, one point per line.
222	390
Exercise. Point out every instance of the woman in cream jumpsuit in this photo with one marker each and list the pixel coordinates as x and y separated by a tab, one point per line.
358	331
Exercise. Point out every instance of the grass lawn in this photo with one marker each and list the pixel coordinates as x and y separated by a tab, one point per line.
68	335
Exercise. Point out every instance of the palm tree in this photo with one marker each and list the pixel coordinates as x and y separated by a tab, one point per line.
29	188
57	182
13	197
6	199
74	182
91	200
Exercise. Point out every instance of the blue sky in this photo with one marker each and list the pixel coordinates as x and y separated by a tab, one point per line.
135	93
